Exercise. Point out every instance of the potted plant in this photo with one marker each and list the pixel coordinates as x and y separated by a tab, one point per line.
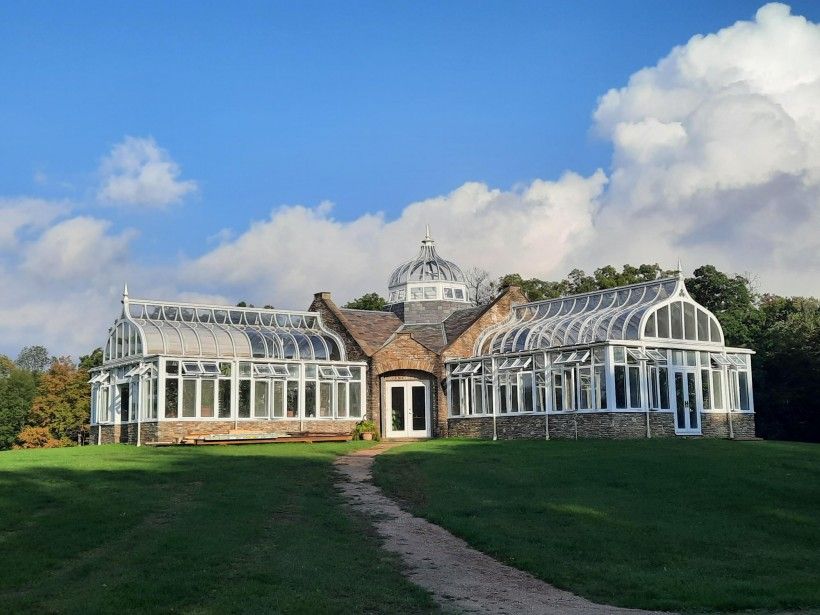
365	430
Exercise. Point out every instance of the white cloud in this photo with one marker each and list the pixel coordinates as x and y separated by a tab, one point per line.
139	172
717	154
299	249
78	248
25	213
716	159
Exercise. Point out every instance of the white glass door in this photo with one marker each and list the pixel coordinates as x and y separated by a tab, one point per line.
408	410
687	408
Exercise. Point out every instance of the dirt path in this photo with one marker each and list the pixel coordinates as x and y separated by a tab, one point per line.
459	577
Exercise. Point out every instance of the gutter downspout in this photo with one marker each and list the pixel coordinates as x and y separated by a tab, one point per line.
546	424
648	432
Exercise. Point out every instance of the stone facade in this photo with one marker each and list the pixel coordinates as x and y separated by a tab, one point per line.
716	425
173	431
424	312
626	425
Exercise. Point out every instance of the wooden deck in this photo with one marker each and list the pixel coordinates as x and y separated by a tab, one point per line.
244	437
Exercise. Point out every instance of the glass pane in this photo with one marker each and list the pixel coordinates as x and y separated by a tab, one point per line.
278	399
634	387
397	408
693	405
125	402
478	398
260	399
717	390
244	399
650	330
310	399
455	397
714	330
703	326
526	392
326	399
689	327
354	392
620	386
743	384
663	385
679	399
663	321
341	399
206	407
705	388
419	397
293	399
600	387
677	320
189	398
224	399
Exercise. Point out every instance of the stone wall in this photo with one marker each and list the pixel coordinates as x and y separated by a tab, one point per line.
605	425
125	433
425	312
171	431
716	425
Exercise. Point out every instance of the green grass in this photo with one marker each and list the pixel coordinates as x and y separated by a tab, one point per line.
667	524
194	530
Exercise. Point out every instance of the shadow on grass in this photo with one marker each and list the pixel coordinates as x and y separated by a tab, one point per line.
666	524
213	529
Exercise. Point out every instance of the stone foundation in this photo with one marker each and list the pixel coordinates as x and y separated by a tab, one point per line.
124	434
716	425
614	425
172	431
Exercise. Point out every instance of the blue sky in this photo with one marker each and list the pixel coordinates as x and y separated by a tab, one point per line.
370	105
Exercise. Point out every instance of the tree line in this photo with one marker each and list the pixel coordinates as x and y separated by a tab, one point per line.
784	332
44	400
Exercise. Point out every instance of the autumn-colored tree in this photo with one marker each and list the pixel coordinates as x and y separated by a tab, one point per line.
36	437
62	403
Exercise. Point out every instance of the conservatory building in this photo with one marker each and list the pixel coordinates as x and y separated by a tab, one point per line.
174	369
637	361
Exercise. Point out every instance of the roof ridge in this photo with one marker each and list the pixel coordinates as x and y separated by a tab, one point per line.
602	291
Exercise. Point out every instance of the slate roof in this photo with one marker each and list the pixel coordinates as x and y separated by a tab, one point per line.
431	336
370	328
458	321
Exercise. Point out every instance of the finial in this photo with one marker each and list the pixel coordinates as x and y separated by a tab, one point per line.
125	291
680	269
427	241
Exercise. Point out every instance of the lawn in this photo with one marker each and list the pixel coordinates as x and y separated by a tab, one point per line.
195	530
693	525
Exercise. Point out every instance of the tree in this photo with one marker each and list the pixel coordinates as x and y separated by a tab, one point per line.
17	391
34	359
62	403
535	289
369	301
6	366
480	288
95	359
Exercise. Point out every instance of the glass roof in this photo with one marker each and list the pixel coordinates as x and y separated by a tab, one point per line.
194	330
428	266
639	311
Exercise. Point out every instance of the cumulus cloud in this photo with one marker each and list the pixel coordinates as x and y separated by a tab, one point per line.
716	154
76	248
139	172
300	249
716	159
25	213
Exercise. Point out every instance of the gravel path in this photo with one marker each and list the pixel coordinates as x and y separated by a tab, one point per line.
459	577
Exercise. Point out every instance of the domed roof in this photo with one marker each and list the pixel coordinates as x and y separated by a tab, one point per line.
428	266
